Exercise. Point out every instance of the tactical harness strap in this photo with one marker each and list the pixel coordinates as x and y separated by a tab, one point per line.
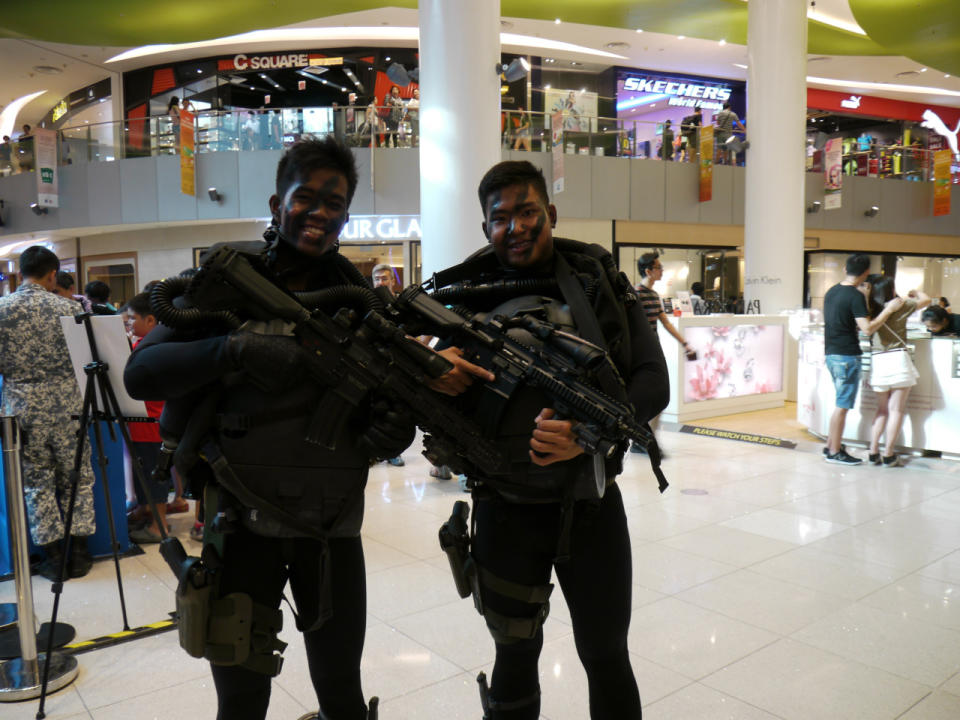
506	629
234	485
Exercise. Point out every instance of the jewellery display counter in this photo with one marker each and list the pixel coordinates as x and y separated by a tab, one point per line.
739	366
933	407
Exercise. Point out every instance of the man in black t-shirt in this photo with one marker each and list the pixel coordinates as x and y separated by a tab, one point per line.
940	322
845	316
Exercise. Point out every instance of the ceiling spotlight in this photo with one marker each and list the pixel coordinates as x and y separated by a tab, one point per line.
639	30
722	42
557	21
872	212
398	74
214	195
681	37
516	70
814	207
37	209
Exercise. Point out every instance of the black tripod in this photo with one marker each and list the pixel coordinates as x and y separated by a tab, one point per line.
97	385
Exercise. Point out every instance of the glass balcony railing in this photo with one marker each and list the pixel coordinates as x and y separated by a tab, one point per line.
399	127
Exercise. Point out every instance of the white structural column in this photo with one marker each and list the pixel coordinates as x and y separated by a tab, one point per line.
776	127
459	123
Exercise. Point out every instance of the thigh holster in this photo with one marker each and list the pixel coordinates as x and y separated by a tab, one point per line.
242	632
229	630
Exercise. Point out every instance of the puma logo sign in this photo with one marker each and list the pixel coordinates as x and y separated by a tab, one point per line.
932	120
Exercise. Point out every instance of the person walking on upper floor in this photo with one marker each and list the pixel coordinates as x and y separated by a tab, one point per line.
40	388
666	144
725	120
845	316
892	391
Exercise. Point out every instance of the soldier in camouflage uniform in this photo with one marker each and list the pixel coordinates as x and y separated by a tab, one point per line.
39	386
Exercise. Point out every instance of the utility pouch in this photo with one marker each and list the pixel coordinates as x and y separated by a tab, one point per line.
228	632
455	542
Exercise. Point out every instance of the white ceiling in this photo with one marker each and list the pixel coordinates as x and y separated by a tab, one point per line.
82	65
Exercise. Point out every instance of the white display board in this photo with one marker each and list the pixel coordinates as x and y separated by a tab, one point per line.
113	349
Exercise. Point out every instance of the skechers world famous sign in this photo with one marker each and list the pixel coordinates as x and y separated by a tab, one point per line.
680	93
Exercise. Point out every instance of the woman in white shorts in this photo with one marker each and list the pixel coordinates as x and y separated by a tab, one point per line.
891	395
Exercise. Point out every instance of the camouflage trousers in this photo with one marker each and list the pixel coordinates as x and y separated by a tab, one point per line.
48	454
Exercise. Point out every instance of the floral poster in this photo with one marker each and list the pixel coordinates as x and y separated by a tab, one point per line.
734	361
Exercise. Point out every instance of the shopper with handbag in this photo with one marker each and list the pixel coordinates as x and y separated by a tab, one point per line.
892	372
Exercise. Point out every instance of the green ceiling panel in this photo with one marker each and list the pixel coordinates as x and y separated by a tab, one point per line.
927	31
126	23
123	23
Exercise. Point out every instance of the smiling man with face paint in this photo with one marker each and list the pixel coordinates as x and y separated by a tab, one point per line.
529	521
253	379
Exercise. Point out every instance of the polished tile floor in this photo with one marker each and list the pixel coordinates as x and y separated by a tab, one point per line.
767	584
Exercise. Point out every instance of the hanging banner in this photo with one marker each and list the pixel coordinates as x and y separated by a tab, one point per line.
45	151
941	182
556	135
706	163
832	173
188	161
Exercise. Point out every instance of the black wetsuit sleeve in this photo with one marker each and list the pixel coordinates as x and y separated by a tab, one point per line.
165	366
648	383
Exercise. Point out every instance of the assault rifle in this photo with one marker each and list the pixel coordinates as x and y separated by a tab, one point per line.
602	425
351	358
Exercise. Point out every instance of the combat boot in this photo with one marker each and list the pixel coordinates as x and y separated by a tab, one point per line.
50	566
80	558
371	711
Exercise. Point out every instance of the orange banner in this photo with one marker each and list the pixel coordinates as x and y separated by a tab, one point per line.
941	182
188	162
706	163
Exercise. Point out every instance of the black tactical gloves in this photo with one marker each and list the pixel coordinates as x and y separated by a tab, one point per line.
390	430
272	362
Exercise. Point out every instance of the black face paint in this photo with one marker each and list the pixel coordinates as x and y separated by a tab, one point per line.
298	212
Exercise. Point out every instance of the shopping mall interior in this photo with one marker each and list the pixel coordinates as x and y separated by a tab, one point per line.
766	583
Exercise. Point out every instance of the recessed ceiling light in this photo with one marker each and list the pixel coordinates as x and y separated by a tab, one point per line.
639	30
740	65
387	58
681	37
618	45
574	63
547	86
47	69
946	76
722	42
557	21
923	69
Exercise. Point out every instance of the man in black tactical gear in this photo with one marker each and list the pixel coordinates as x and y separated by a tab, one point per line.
557	508
299	513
